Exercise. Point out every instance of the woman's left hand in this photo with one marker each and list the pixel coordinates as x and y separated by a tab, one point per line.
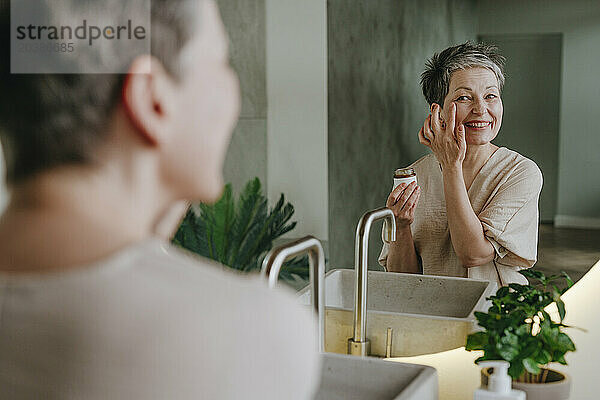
446	140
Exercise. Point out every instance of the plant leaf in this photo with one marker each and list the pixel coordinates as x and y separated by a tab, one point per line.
248	213
531	366
239	233
477	341
543	357
516	369
532	274
570	282
508	346
564	343
561	309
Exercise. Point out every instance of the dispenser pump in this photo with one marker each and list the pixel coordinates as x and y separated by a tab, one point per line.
499	381
499	384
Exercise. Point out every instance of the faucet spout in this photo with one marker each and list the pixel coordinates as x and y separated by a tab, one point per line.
359	344
274	260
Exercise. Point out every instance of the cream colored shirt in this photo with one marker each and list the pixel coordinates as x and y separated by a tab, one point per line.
145	324
504	196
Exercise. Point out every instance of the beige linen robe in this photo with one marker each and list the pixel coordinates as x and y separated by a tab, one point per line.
504	196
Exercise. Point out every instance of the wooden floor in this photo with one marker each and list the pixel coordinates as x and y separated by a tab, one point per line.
574	251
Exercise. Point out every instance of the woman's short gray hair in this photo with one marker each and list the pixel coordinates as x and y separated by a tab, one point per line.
435	80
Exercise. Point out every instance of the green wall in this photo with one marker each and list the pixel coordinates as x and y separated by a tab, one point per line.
579	136
531	98
377	50
247	156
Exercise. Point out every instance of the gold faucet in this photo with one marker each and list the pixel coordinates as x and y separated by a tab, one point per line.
274	260
359	345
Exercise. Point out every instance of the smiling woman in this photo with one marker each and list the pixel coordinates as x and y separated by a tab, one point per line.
475	213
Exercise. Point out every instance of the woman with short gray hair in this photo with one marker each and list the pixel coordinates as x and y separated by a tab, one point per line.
474	211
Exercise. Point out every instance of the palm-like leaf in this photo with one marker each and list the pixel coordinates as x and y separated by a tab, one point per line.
239	234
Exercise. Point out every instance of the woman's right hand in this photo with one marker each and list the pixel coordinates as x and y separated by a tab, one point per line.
403	201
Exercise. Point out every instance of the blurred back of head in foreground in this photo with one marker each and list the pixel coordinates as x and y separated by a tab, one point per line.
183	110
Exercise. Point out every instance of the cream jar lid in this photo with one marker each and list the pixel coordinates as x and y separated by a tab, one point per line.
404	173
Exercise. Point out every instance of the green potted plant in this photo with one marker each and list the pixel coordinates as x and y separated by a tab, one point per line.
518	329
239	233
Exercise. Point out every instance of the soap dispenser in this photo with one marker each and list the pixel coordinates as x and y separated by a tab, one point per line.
499	384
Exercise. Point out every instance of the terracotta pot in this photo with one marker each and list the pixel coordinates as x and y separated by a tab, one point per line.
557	386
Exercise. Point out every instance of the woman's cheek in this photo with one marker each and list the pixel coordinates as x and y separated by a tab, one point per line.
498	109
461	114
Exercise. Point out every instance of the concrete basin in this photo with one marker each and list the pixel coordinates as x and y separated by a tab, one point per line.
427	314
348	377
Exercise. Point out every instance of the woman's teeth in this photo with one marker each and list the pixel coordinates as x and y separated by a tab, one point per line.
477	124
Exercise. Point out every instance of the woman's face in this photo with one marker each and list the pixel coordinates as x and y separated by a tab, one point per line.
478	105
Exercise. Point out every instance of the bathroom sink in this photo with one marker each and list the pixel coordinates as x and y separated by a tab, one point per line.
427	314
347	378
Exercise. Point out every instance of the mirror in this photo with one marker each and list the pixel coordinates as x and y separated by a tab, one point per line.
332	105
370	55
